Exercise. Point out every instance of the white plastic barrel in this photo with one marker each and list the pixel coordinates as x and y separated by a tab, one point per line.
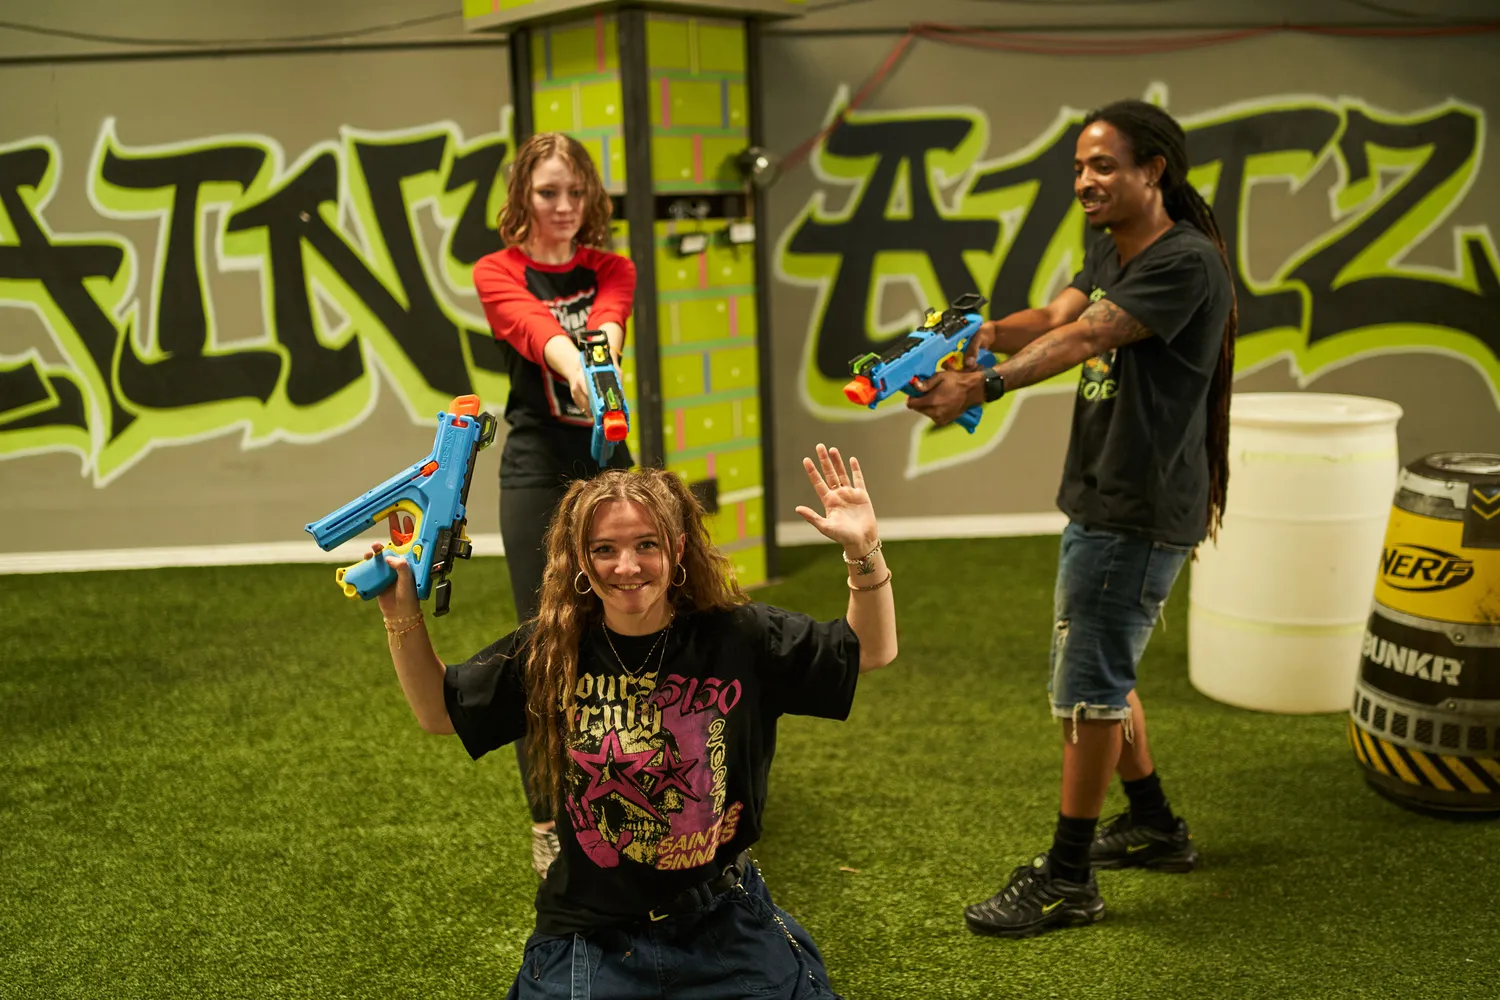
1277	609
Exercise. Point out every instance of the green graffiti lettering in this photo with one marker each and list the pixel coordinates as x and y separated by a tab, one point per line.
345	270
76	286
1348	293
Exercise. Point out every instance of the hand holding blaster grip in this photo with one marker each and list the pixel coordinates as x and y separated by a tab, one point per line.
606	395
940	342
430	495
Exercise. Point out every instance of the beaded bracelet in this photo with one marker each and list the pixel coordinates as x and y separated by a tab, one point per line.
865	564
873	586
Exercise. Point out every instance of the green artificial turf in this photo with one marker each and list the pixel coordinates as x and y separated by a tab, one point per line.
210	786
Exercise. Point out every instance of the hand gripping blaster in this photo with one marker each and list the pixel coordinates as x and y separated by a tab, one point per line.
425	505
606	396
938	343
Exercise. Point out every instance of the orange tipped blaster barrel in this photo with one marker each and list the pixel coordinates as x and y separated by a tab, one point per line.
938	343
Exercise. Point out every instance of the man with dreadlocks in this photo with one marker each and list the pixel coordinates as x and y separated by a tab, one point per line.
1151	318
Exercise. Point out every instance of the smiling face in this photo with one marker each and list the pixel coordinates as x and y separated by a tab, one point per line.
1111	186
629	562
558	201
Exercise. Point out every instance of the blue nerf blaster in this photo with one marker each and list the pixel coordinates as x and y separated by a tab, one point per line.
938	343
425	507
606	396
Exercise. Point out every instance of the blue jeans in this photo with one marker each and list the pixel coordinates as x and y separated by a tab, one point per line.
1109	595
738	944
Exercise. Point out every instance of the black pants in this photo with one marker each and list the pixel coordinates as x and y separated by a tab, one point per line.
525	512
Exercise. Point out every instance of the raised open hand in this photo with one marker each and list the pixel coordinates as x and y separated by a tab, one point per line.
848	516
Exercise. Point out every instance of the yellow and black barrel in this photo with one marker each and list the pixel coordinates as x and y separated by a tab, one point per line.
1425	723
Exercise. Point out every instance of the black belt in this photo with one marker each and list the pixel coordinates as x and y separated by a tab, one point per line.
702	893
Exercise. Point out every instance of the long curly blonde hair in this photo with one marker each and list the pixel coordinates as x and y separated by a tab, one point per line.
515	216
551	647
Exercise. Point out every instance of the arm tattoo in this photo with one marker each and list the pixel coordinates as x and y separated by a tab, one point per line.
1103	325
1110	326
1038	361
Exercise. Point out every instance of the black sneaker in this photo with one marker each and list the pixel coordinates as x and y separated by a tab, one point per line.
1123	843
1034	901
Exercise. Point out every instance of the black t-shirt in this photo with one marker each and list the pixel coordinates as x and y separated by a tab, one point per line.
667	768
1137	459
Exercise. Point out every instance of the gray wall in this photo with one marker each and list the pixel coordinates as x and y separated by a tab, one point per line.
271	395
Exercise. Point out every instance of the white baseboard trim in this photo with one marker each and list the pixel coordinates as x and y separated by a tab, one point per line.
787	533
897	529
207	555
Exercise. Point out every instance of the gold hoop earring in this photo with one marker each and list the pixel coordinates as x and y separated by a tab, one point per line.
586	590
676	582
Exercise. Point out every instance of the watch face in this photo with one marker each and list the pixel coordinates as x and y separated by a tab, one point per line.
994	387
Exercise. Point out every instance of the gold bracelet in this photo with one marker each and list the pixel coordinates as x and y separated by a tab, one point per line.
398	633
402	620
873	586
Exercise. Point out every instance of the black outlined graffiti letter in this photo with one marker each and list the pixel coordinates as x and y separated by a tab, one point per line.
183	368
1356	281
899	146
51	275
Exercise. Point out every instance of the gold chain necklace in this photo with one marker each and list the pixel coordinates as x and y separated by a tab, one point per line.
637	671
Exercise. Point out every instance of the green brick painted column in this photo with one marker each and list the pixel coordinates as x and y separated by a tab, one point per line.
576	89
710	367
693	340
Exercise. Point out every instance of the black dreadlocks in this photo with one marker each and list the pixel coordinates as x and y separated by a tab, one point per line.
1152	132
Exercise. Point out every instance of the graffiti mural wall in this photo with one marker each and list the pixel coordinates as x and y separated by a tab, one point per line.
223	316
1358	203
217	322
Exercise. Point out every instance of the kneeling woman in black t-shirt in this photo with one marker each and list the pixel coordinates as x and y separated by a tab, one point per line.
648	690
555	278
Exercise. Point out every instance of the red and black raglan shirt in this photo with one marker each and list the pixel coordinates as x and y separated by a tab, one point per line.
527	304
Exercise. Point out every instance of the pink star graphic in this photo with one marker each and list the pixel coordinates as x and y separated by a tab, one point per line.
614	770
671	771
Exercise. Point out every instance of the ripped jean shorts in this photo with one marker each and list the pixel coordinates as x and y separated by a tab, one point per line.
1109	595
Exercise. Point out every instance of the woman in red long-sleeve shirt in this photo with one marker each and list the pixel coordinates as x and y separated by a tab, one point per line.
554	279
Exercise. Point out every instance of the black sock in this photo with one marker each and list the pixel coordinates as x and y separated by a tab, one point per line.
1148	804
1070	847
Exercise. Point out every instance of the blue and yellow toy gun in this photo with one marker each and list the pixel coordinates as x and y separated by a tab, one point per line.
606	395
425	507
938	343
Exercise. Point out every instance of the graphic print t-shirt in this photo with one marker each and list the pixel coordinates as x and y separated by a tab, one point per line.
1137	459
528	303
668	761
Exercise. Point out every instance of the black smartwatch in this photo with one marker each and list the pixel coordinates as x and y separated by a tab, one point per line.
994	385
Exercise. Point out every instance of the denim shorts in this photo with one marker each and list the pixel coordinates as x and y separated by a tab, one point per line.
1109	595
737	944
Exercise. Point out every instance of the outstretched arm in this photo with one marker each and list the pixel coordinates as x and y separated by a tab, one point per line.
1010	334
849	518
615	299
417	665
1100	327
